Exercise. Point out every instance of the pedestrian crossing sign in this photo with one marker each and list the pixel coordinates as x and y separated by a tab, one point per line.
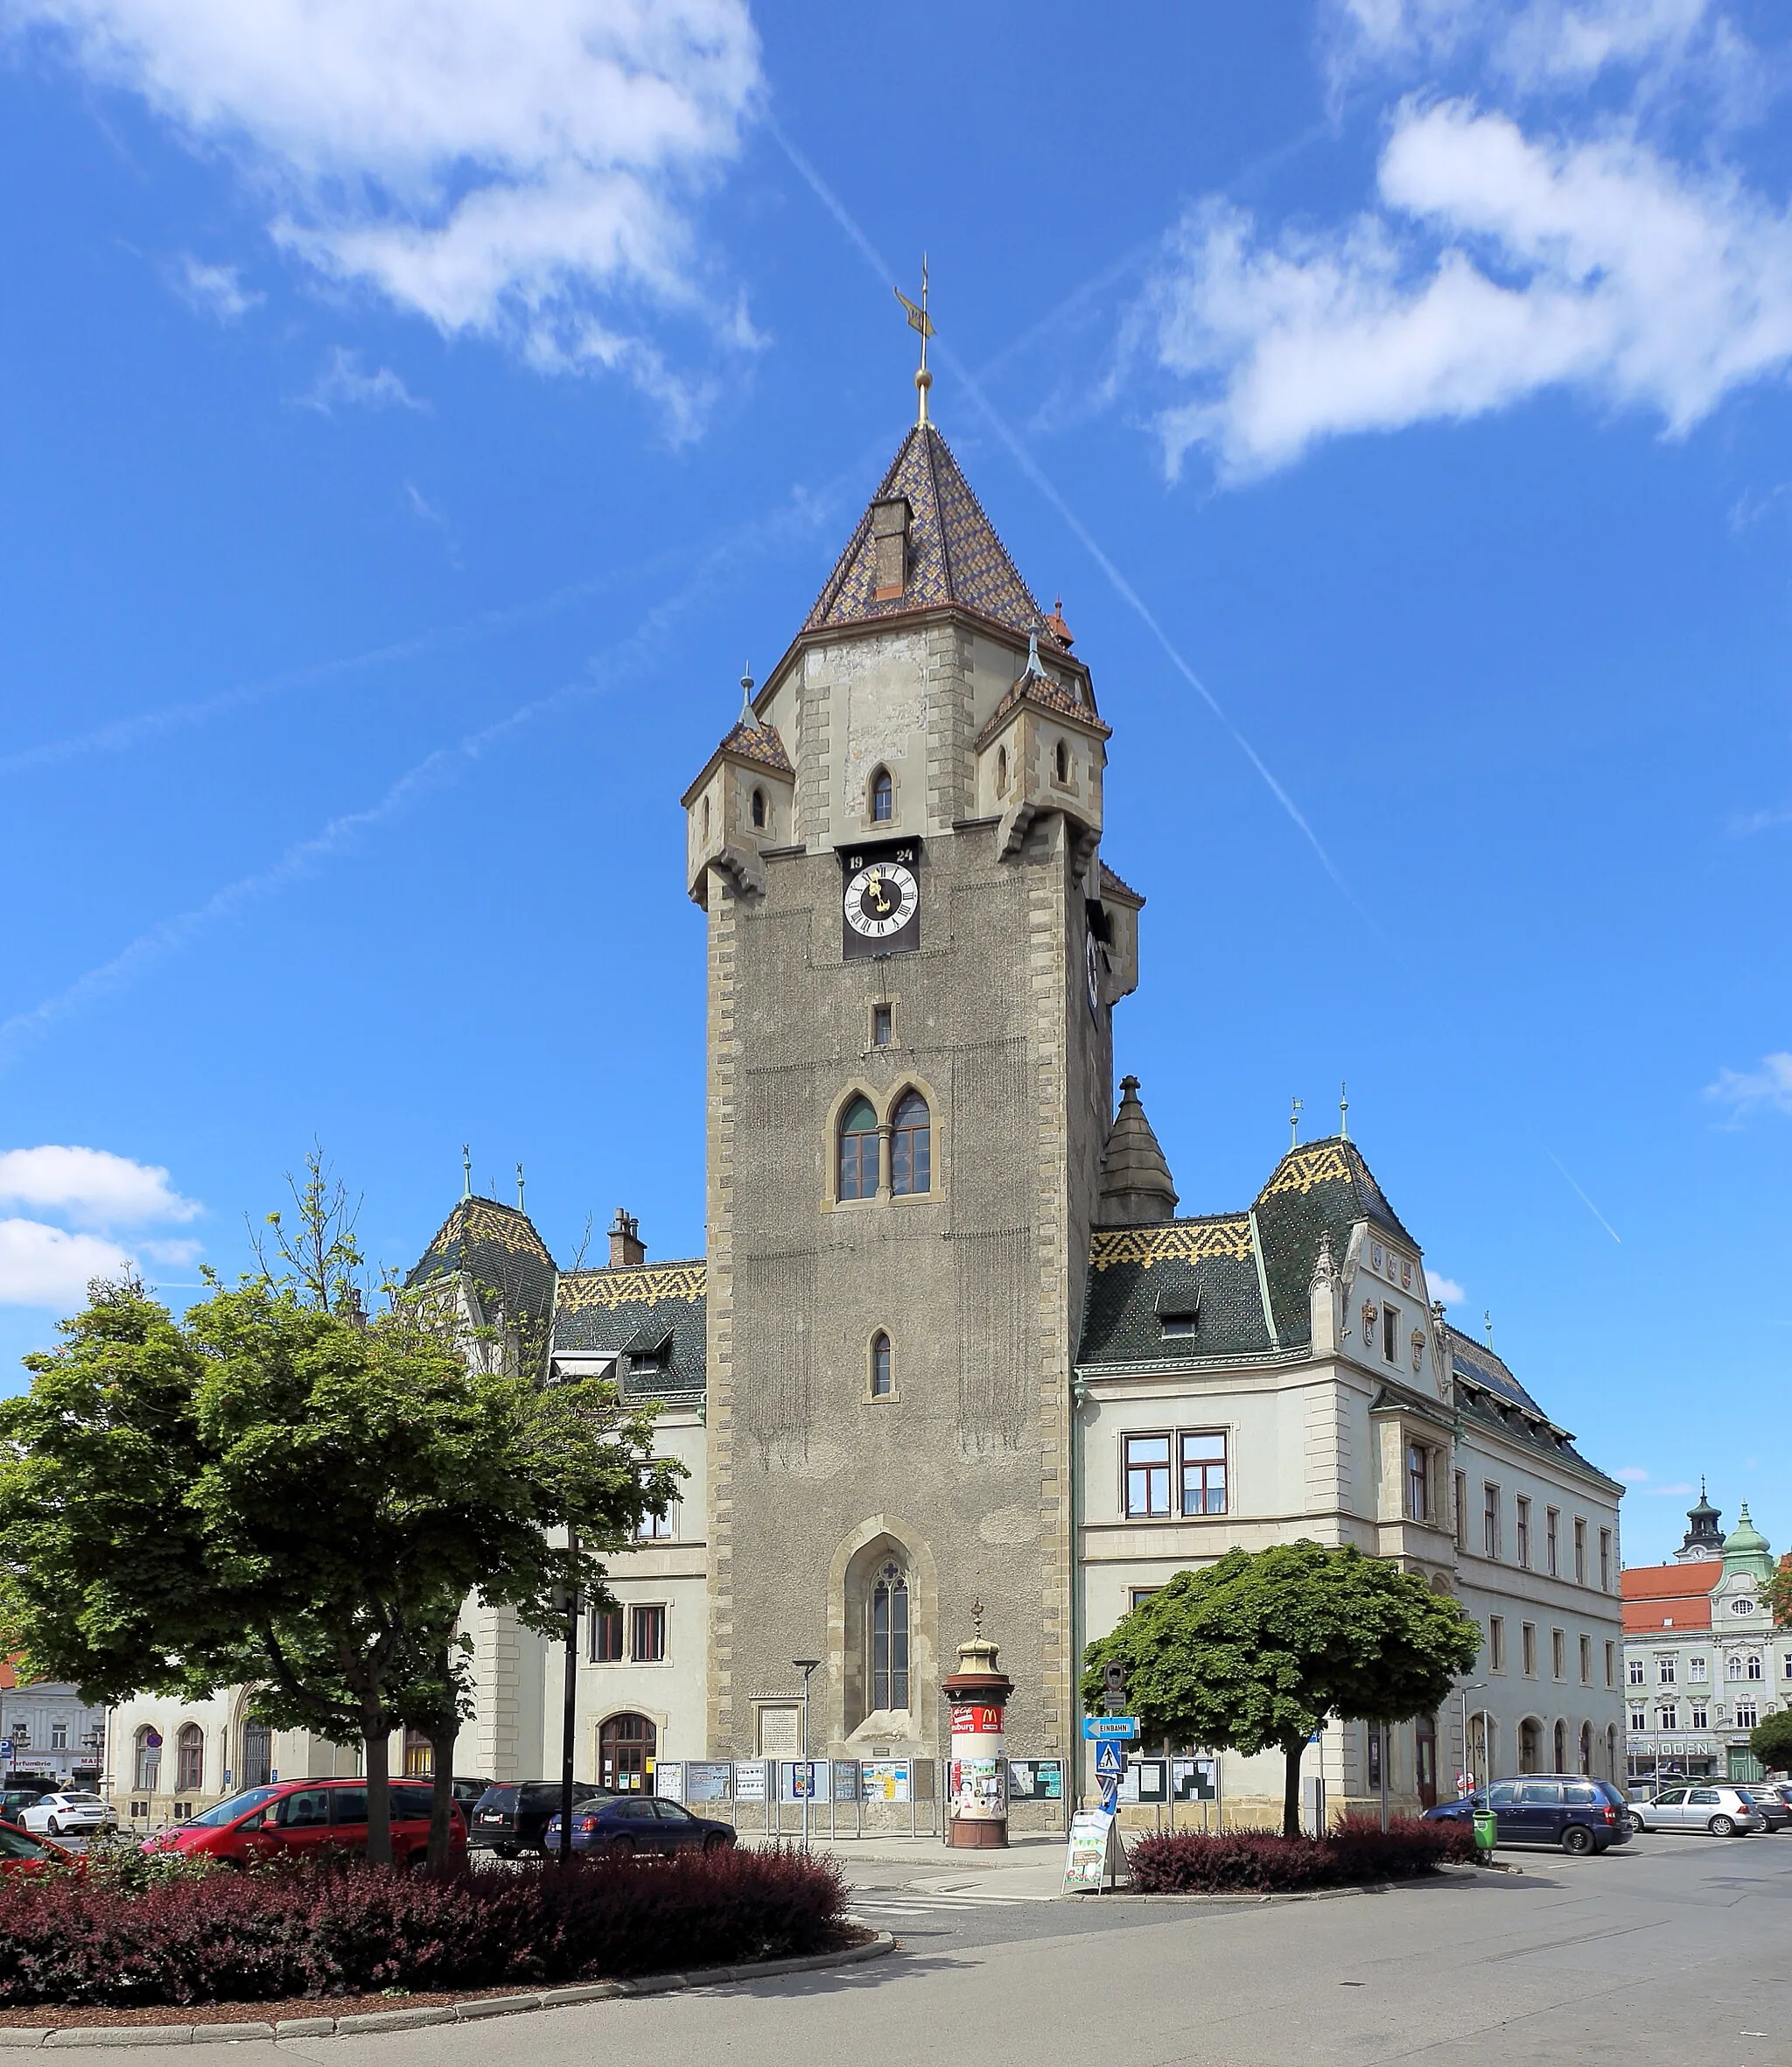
1110	1761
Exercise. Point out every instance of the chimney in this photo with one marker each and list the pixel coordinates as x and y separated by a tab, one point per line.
890	542
627	1248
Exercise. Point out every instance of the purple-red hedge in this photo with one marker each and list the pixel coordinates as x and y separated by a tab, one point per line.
1358	1852
351	1929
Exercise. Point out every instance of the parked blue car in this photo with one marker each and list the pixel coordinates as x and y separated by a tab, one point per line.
638	1823
1561	1809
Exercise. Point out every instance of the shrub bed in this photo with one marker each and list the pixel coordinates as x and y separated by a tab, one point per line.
1356	1853
348	1929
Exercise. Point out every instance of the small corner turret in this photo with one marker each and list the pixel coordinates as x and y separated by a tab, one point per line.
743	802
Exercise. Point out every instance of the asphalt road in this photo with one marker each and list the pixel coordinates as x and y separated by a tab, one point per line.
1671	1950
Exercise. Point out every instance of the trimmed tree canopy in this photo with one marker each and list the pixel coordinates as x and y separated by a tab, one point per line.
1771	1740
1257	1651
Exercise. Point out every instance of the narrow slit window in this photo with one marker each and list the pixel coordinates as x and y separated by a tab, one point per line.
882	1379
882	1025
883	797
759	810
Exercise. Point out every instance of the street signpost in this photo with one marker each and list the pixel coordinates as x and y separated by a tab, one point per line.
1095	1727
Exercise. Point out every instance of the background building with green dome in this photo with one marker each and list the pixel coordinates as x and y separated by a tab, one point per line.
1703	1661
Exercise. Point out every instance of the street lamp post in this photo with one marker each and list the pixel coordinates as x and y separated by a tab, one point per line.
1471	1687
806	1666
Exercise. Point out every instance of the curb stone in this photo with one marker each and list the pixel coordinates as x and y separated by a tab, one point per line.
447	2012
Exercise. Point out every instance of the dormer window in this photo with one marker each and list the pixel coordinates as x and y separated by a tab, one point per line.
883	797
759	810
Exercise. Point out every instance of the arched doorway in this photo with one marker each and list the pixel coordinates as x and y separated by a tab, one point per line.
147	1765
1425	1760
625	1743
1530	1744
257	1755
1561	1744
1611	1751
1586	1765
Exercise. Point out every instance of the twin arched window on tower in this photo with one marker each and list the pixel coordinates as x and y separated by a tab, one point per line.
859	1165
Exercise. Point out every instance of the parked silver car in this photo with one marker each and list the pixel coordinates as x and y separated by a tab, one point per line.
1725	1812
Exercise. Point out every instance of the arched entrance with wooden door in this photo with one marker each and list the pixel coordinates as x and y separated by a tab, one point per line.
626	1746
1530	1740
1425	1760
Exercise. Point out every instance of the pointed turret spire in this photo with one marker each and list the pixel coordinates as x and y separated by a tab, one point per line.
1703	1538
1136	1186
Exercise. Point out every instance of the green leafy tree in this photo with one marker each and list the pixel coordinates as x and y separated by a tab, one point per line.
1778	1591
1771	1740
1256	1651
276	1490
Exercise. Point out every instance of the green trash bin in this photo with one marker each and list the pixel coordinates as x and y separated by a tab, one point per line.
1487	1828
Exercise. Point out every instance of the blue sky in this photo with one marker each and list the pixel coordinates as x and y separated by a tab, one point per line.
415	418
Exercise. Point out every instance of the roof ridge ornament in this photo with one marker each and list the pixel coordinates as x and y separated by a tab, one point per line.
920	321
748	715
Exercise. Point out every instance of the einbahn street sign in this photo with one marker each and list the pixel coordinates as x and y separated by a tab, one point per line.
1094	1727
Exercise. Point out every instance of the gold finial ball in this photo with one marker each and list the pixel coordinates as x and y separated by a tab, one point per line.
923	380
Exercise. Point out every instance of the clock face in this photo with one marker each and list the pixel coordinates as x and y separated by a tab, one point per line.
1095	974
881	898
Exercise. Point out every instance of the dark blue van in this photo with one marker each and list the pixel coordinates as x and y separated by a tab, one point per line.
1565	1810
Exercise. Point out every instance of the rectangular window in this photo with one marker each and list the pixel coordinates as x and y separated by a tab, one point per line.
59	1736
1611	1656
1375	1757
1665	1671
648	1635
1559	1653
1754	1672
1418	1483
1788	1664
1529	1637
1746	1716
1204	1473
1147	1477
658	1528
1698	1717
1552	1534
1523	1531
882	1025
1580	1551
1668	1717
1390	1333
1639	1722
1696	1670
1490	1521
1586	1661
1605	1560
1496	1642
1141	1594
1633	1671
1462	1511
606	1636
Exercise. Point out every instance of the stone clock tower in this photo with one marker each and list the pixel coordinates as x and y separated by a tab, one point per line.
914	952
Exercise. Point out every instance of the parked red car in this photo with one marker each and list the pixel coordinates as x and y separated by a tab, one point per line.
21	1853
304	1816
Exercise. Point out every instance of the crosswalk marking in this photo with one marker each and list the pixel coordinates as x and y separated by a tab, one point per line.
927	1905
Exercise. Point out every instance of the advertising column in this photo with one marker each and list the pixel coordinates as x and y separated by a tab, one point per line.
978	1693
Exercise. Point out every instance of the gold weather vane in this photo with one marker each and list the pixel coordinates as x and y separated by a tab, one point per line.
918	319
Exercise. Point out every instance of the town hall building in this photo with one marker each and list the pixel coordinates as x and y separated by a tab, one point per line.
954	1346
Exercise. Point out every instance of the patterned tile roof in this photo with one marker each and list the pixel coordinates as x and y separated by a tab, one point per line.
1048	693
498	1248
954	554
1140	1277
1319	1187
758	742
652	1316
1474	1362
1111	881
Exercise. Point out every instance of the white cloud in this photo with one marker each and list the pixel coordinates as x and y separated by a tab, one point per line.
344	380
91	1187
44	1266
1632	1474
1746	1091
1678	1491
1546	46
1498	265
1445	1289
175	1255
490	167
213	290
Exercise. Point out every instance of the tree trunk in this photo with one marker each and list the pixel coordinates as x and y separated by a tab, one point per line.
377	1759
444	1733
1293	1751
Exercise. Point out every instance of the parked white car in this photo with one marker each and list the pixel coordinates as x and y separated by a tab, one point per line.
69	1816
1725	1811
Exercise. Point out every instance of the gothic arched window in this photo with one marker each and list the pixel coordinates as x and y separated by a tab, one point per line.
1001	771
148	1765
859	1151
1561	1747
911	1146
889	1644
883	797
1063	763
759	809
883	1378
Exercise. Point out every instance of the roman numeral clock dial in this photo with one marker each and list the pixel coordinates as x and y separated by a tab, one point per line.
881	905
